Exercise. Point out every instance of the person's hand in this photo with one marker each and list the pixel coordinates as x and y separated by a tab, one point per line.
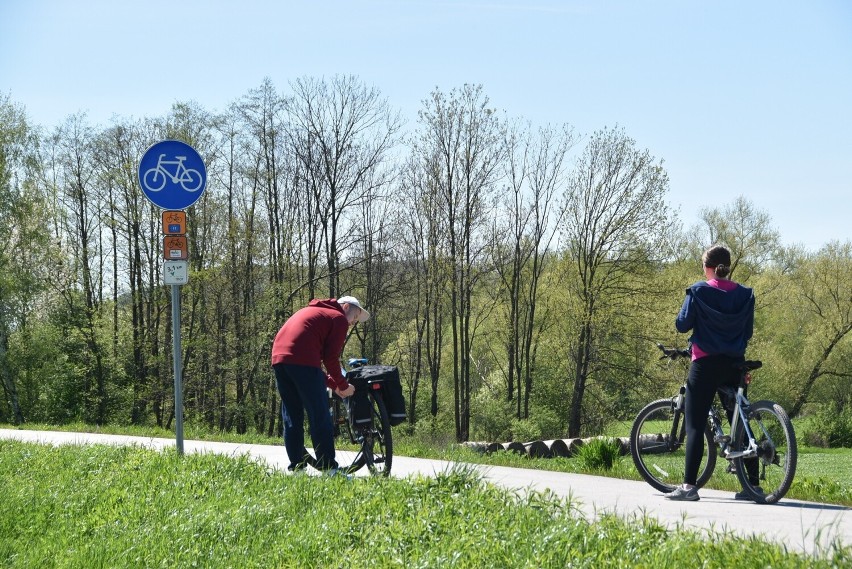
343	393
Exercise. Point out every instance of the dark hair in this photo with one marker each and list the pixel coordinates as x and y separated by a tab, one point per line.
719	259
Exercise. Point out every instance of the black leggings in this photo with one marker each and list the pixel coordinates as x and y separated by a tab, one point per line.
707	376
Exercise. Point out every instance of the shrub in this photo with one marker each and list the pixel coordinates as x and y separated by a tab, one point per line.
831	427
491	416
599	453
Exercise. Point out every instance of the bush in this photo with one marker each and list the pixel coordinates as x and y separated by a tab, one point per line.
830	427
525	430
491	416
599	453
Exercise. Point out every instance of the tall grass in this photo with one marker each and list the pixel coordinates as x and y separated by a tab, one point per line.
100	506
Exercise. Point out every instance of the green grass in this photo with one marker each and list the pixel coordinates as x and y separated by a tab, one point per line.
102	506
822	475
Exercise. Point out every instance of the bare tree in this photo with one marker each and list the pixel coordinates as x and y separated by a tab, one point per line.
422	237
342	134
75	172
462	143
535	170
614	224
745	230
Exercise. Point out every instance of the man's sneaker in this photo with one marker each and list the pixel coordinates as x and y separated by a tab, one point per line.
338	472
743	495
681	494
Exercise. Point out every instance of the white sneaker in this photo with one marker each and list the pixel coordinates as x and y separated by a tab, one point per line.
337	472
681	494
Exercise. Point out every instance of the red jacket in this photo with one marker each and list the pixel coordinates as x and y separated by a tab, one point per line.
314	336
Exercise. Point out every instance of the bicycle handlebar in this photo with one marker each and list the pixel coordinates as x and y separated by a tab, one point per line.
674	353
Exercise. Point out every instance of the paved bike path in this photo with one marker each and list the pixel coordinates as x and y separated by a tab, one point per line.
802	526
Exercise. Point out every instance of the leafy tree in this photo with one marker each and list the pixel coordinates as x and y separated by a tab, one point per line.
824	286
24	242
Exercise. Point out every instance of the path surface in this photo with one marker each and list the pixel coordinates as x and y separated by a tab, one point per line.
802	526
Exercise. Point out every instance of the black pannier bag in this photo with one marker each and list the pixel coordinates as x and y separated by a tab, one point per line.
388	378
360	410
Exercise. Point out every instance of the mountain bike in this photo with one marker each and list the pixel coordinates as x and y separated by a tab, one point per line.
761	440
362	427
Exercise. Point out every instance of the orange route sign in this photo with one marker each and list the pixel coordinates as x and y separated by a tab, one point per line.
174	222
175	248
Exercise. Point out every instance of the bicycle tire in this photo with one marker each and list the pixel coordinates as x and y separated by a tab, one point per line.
660	457
375	441
191	180
777	452
378	454
152	180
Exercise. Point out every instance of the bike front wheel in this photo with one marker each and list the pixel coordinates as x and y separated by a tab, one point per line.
373	442
658	447
191	180
767	478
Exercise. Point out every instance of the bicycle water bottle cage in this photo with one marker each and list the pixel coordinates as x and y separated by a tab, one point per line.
356	362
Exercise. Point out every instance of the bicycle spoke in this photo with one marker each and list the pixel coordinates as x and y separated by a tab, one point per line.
657	445
768	476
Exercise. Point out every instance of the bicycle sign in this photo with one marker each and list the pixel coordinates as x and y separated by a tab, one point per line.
172	175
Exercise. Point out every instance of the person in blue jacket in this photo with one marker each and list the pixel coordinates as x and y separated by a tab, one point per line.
720	314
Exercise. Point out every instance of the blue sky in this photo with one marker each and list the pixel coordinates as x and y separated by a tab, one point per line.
738	98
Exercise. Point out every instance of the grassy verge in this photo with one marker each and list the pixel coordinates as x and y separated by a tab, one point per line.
822	475
102	506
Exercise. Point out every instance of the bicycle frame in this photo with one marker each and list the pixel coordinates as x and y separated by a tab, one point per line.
742	405
180	174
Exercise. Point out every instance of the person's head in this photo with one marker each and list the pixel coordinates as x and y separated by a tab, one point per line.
717	262
352	308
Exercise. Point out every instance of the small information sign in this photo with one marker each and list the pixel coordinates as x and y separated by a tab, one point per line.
175	272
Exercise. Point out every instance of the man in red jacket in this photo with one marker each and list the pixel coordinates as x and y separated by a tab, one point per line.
309	340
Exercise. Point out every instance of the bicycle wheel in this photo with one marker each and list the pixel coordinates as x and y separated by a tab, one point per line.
154	180
191	180
777	453
658	447
373	442
377	449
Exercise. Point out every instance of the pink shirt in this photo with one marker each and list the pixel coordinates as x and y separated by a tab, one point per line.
722	284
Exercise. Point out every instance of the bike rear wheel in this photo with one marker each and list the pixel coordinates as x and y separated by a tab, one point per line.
370	445
777	453
658	447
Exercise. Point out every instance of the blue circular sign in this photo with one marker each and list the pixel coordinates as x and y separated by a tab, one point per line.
172	174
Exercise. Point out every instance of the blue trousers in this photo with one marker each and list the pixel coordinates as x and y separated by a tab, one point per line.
302	389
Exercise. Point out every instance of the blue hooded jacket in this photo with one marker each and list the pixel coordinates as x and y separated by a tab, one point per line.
721	321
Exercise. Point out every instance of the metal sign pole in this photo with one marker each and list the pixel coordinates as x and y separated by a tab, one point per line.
176	351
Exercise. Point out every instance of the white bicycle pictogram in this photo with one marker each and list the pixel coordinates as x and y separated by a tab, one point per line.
154	179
